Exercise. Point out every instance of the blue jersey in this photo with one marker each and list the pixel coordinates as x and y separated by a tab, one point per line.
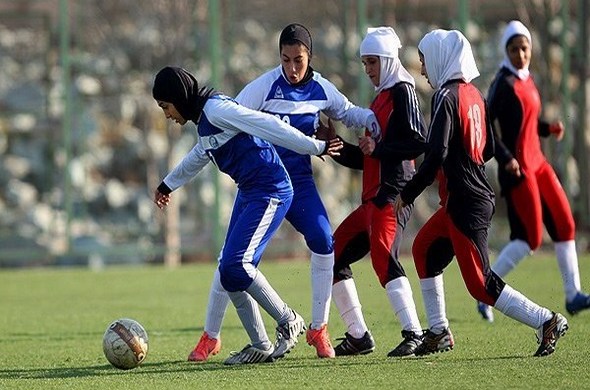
238	140
300	106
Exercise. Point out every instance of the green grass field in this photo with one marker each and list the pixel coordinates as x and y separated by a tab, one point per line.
52	322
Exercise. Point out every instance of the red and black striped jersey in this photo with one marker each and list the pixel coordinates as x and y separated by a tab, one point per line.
460	141
403	138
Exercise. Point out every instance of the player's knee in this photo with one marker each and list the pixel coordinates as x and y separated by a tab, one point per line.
321	244
420	264
341	273
233	277
535	242
477	291
567	232
418	254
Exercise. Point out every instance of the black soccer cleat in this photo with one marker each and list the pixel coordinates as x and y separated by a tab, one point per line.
408	345
433	342
352	346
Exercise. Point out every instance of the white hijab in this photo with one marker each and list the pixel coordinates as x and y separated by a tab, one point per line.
447	56
513	28
384	43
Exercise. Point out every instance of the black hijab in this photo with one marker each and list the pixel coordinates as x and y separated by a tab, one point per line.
179	87
295	32
298	33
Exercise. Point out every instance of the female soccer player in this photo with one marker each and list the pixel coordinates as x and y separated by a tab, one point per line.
374	226
238	140
296	94
460	142
532	190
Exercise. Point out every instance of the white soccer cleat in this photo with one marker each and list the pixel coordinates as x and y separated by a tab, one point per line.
250	355
549	333
287	334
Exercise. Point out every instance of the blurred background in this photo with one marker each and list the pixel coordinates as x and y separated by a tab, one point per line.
83	145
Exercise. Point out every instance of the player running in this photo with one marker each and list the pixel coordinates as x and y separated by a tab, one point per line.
460	142
534	196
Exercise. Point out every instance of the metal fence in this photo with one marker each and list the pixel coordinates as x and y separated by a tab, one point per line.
83	145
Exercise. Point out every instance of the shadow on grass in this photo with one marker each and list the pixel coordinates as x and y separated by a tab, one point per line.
361	362
184	366
108	370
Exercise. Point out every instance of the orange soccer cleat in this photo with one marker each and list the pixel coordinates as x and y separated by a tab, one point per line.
205	347
320	339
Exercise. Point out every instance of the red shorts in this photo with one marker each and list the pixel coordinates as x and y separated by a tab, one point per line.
439	240
539	199
369	228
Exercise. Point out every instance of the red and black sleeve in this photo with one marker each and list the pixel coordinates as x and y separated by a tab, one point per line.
405	138
438	145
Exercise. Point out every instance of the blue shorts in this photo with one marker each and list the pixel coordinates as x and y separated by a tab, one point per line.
253	222
308	216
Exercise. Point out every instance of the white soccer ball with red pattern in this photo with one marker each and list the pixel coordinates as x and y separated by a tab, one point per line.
125	343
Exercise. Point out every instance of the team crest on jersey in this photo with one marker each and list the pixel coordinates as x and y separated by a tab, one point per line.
279	93
213	141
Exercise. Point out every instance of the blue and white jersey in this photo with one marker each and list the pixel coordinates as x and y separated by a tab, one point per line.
300	106
235	139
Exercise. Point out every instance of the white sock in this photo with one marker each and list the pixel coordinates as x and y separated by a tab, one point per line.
401	299
322	273
216	307
433	293
251	319
567	258
510	256
347	301
269	299
518	307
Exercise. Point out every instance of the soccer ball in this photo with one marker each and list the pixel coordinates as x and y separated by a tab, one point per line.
125	343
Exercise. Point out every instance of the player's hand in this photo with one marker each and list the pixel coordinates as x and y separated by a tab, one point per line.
398	204
333	147
557	129
161	200
324	132
513	167
367	145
